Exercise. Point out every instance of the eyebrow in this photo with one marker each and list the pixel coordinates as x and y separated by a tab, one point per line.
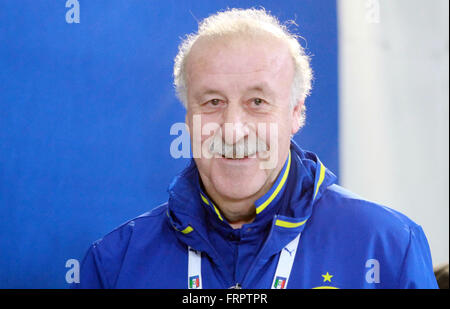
263	88
207	92
260	87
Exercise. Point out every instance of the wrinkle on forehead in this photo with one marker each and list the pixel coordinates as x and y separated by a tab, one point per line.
254	54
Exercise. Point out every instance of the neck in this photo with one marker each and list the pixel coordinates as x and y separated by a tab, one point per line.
245	211
236	211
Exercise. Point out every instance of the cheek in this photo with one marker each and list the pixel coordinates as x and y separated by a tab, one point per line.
201	127
278	127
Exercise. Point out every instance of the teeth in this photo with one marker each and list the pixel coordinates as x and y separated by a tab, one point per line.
240	150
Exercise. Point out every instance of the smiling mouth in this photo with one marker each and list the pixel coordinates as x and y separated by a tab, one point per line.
236	158
245	148
237	155
232	153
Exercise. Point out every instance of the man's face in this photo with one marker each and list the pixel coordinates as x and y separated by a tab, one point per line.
243	84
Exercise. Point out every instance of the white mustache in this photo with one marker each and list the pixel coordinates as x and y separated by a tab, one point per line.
245	147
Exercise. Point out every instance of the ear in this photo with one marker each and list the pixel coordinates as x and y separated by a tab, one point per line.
296	116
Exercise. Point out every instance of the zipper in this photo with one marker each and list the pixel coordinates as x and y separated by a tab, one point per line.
244	281
217	256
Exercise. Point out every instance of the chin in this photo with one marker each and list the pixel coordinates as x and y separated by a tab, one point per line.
239	187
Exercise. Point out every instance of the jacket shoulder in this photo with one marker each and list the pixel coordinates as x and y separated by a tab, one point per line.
124	231
374	231
363	224
106	255
350	206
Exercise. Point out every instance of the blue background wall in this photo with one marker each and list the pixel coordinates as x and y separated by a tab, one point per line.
85	113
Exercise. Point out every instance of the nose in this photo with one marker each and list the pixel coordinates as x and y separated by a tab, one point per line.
234	126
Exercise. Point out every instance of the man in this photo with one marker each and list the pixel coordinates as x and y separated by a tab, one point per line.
253	210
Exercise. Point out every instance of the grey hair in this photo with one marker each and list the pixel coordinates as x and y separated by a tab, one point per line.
247	22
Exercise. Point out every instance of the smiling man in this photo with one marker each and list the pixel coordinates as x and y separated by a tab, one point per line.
254	210
242	81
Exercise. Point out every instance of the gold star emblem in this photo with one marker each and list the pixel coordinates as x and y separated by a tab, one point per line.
327	277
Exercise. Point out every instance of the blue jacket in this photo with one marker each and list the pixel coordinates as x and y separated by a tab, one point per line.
346	241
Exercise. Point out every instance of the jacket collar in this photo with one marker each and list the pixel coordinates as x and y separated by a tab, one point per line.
288	204
265	205
308	181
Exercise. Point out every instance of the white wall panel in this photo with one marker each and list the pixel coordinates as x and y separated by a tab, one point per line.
394	109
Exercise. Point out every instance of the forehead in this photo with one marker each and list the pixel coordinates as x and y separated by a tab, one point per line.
239	57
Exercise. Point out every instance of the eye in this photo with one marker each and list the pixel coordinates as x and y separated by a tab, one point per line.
214	102
257	101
